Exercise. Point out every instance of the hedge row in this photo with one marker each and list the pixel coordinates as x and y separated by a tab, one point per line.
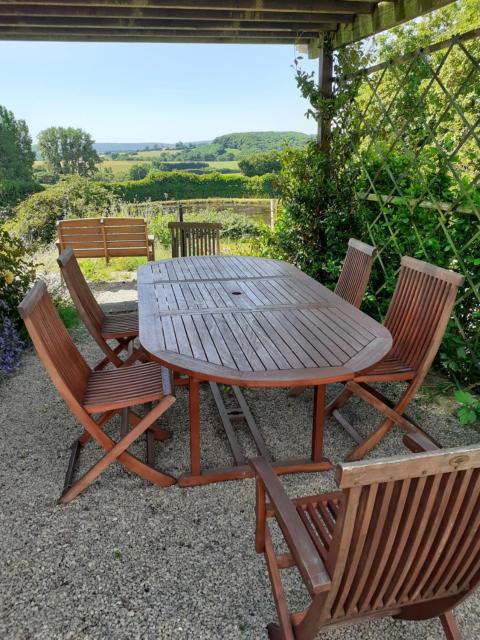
179	185
12	192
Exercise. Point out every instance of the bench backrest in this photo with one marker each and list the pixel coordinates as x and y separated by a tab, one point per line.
195	238
105	237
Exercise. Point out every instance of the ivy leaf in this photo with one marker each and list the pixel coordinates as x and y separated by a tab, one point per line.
467	416
464	397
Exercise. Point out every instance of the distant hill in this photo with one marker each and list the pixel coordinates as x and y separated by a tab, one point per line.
255	141
123	147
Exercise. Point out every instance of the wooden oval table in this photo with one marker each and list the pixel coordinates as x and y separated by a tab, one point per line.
251	322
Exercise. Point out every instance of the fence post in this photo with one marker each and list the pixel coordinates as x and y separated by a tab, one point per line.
273	211
182	236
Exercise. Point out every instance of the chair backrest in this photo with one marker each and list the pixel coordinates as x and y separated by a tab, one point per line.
408	534
353	280
105	237
195	238
82	296
62	360
420	310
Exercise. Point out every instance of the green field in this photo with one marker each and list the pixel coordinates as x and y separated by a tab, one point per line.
120	168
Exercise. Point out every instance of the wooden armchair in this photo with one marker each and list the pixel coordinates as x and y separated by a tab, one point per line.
195	238
120	327
400	538
101	393
417	318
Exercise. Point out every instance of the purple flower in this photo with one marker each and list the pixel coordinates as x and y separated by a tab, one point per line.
11	347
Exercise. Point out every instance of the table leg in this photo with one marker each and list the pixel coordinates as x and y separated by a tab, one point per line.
194	411
318	422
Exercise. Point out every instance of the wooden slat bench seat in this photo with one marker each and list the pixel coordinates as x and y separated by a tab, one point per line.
106	238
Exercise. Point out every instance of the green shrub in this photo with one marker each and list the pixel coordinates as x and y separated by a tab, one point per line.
72	197
13	191
177	185
17	273
234	225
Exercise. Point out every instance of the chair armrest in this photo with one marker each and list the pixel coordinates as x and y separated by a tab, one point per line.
307	558
418	443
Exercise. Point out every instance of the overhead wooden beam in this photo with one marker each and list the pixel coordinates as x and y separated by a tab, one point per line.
158	35
310	6
384	16
345	9
163	25
98	37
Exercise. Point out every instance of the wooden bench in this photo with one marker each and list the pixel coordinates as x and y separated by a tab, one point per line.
105	238
195	238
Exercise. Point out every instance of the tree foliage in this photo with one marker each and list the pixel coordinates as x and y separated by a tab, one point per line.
72	197
16	154
68	151
260	164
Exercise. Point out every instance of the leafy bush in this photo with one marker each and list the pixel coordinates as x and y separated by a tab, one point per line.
234	225
260	164
317	213
178	185
179	166
469	412
17	273
72	197
13	191
138	171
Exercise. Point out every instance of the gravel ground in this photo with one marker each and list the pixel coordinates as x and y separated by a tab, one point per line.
127	560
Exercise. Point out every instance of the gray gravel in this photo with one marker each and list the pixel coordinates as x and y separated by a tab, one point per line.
127	560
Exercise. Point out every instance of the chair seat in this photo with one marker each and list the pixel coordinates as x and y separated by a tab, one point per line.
390	368
124	387
120	325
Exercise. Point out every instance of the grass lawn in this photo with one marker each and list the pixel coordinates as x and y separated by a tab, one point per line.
125	269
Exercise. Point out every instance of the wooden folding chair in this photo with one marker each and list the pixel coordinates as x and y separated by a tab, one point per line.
417	318
195	238
105	393
120	327
400	538
352	282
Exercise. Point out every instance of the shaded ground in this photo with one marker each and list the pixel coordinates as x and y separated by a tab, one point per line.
127	560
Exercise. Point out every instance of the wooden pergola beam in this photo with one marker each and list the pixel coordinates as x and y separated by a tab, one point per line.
156	35
332	11
299	6
98	37
166	25
384	16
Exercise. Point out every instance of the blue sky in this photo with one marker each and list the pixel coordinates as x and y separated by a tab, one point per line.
152	92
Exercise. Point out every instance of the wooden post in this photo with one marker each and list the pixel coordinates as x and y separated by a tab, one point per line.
325	74
180	231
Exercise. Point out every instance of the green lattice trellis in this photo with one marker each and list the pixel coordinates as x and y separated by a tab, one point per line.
417	143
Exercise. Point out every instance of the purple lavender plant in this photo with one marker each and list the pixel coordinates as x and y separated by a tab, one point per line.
11	346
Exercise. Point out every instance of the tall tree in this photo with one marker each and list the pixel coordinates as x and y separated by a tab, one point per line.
68	150
16	154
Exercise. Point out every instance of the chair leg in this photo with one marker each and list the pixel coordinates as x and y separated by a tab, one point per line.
450	626
118	451
369	443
